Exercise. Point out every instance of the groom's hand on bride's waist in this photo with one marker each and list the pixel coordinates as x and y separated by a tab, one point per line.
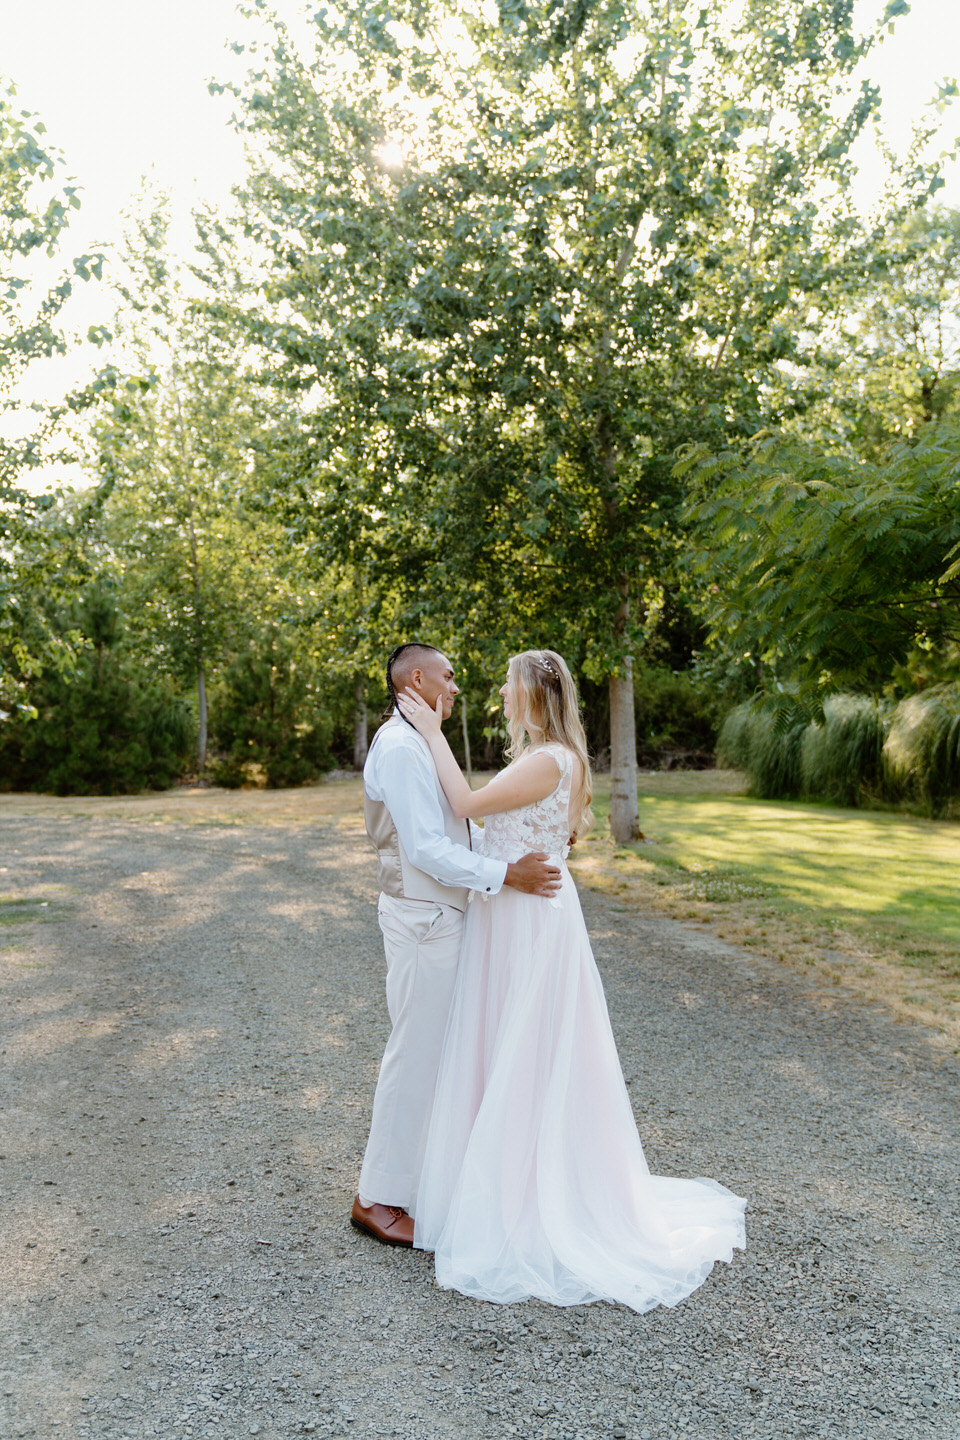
534	874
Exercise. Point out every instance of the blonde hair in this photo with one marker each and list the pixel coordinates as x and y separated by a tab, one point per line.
545	706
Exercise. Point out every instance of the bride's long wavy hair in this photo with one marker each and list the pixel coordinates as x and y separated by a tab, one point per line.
545	706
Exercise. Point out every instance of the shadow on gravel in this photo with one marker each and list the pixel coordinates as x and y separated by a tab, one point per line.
190	1053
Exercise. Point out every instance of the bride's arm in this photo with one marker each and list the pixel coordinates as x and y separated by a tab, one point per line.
532	778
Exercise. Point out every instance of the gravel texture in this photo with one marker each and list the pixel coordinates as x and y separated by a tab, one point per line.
193	1015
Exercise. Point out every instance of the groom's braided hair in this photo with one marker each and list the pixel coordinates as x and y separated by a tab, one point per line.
392	659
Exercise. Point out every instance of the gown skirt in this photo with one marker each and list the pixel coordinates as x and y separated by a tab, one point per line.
534	1181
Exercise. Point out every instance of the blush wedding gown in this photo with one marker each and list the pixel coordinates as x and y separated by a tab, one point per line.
534	1180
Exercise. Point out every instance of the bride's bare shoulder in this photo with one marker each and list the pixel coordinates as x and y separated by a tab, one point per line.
539	754
563	757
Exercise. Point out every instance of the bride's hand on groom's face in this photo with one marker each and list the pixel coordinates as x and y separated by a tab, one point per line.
421	716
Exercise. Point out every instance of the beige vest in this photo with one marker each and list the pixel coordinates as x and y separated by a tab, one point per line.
397	875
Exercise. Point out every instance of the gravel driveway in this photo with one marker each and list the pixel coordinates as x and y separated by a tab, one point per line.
193	1015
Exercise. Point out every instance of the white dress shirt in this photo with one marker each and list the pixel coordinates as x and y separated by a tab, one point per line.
400	773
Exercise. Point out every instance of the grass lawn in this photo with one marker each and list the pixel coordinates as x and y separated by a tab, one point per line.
868	864
869	897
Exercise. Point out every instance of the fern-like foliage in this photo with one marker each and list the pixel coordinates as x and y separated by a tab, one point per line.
825	568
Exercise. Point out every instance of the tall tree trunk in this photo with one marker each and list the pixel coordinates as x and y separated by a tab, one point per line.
359	722
624	825
198	645
466	738
202	721
624	822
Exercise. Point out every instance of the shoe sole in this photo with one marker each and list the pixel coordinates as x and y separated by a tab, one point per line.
384	1239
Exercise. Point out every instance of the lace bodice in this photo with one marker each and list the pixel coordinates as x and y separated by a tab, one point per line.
545	825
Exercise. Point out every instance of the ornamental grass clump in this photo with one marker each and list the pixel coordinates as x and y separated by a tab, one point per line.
734	742
921	755
863	751
775	768
841	759
750	740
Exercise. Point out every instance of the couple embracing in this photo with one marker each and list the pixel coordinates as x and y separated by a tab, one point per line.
502	1135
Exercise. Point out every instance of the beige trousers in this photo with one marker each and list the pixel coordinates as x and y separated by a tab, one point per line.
421	941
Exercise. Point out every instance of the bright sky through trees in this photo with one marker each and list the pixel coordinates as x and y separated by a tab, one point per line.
122	89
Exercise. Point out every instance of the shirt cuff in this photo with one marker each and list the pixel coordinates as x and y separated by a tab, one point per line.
497	885
487	892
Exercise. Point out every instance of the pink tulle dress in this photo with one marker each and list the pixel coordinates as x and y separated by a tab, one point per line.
534	1181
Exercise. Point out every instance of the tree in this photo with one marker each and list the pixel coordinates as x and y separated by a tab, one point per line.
107	727
828	562
910	354
270	713
829	569
569	240
39	552
892	366
181	446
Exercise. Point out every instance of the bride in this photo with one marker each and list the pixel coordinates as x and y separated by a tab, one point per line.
534	1181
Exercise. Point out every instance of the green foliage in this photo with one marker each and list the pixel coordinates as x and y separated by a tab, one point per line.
596	244
676	721
39	554
600	243
185	447
864	750
922	750
828	570
899	367
841	759
888	358
268	720
775	767
107	728
735	740
750	740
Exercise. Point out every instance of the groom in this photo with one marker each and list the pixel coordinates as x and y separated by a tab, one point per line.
426	870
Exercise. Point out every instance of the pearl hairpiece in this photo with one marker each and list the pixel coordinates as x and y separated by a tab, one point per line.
547	666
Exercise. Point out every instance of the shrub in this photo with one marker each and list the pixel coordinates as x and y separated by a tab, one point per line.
749	740
267	720
107	728
734	750
922	750
775	762
841	760
863	750
674	717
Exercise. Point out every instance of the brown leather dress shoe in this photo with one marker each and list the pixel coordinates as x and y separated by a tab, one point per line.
384	1222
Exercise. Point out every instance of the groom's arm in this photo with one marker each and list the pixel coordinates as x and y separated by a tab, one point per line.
407	785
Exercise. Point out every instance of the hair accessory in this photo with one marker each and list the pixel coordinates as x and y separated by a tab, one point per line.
549	667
